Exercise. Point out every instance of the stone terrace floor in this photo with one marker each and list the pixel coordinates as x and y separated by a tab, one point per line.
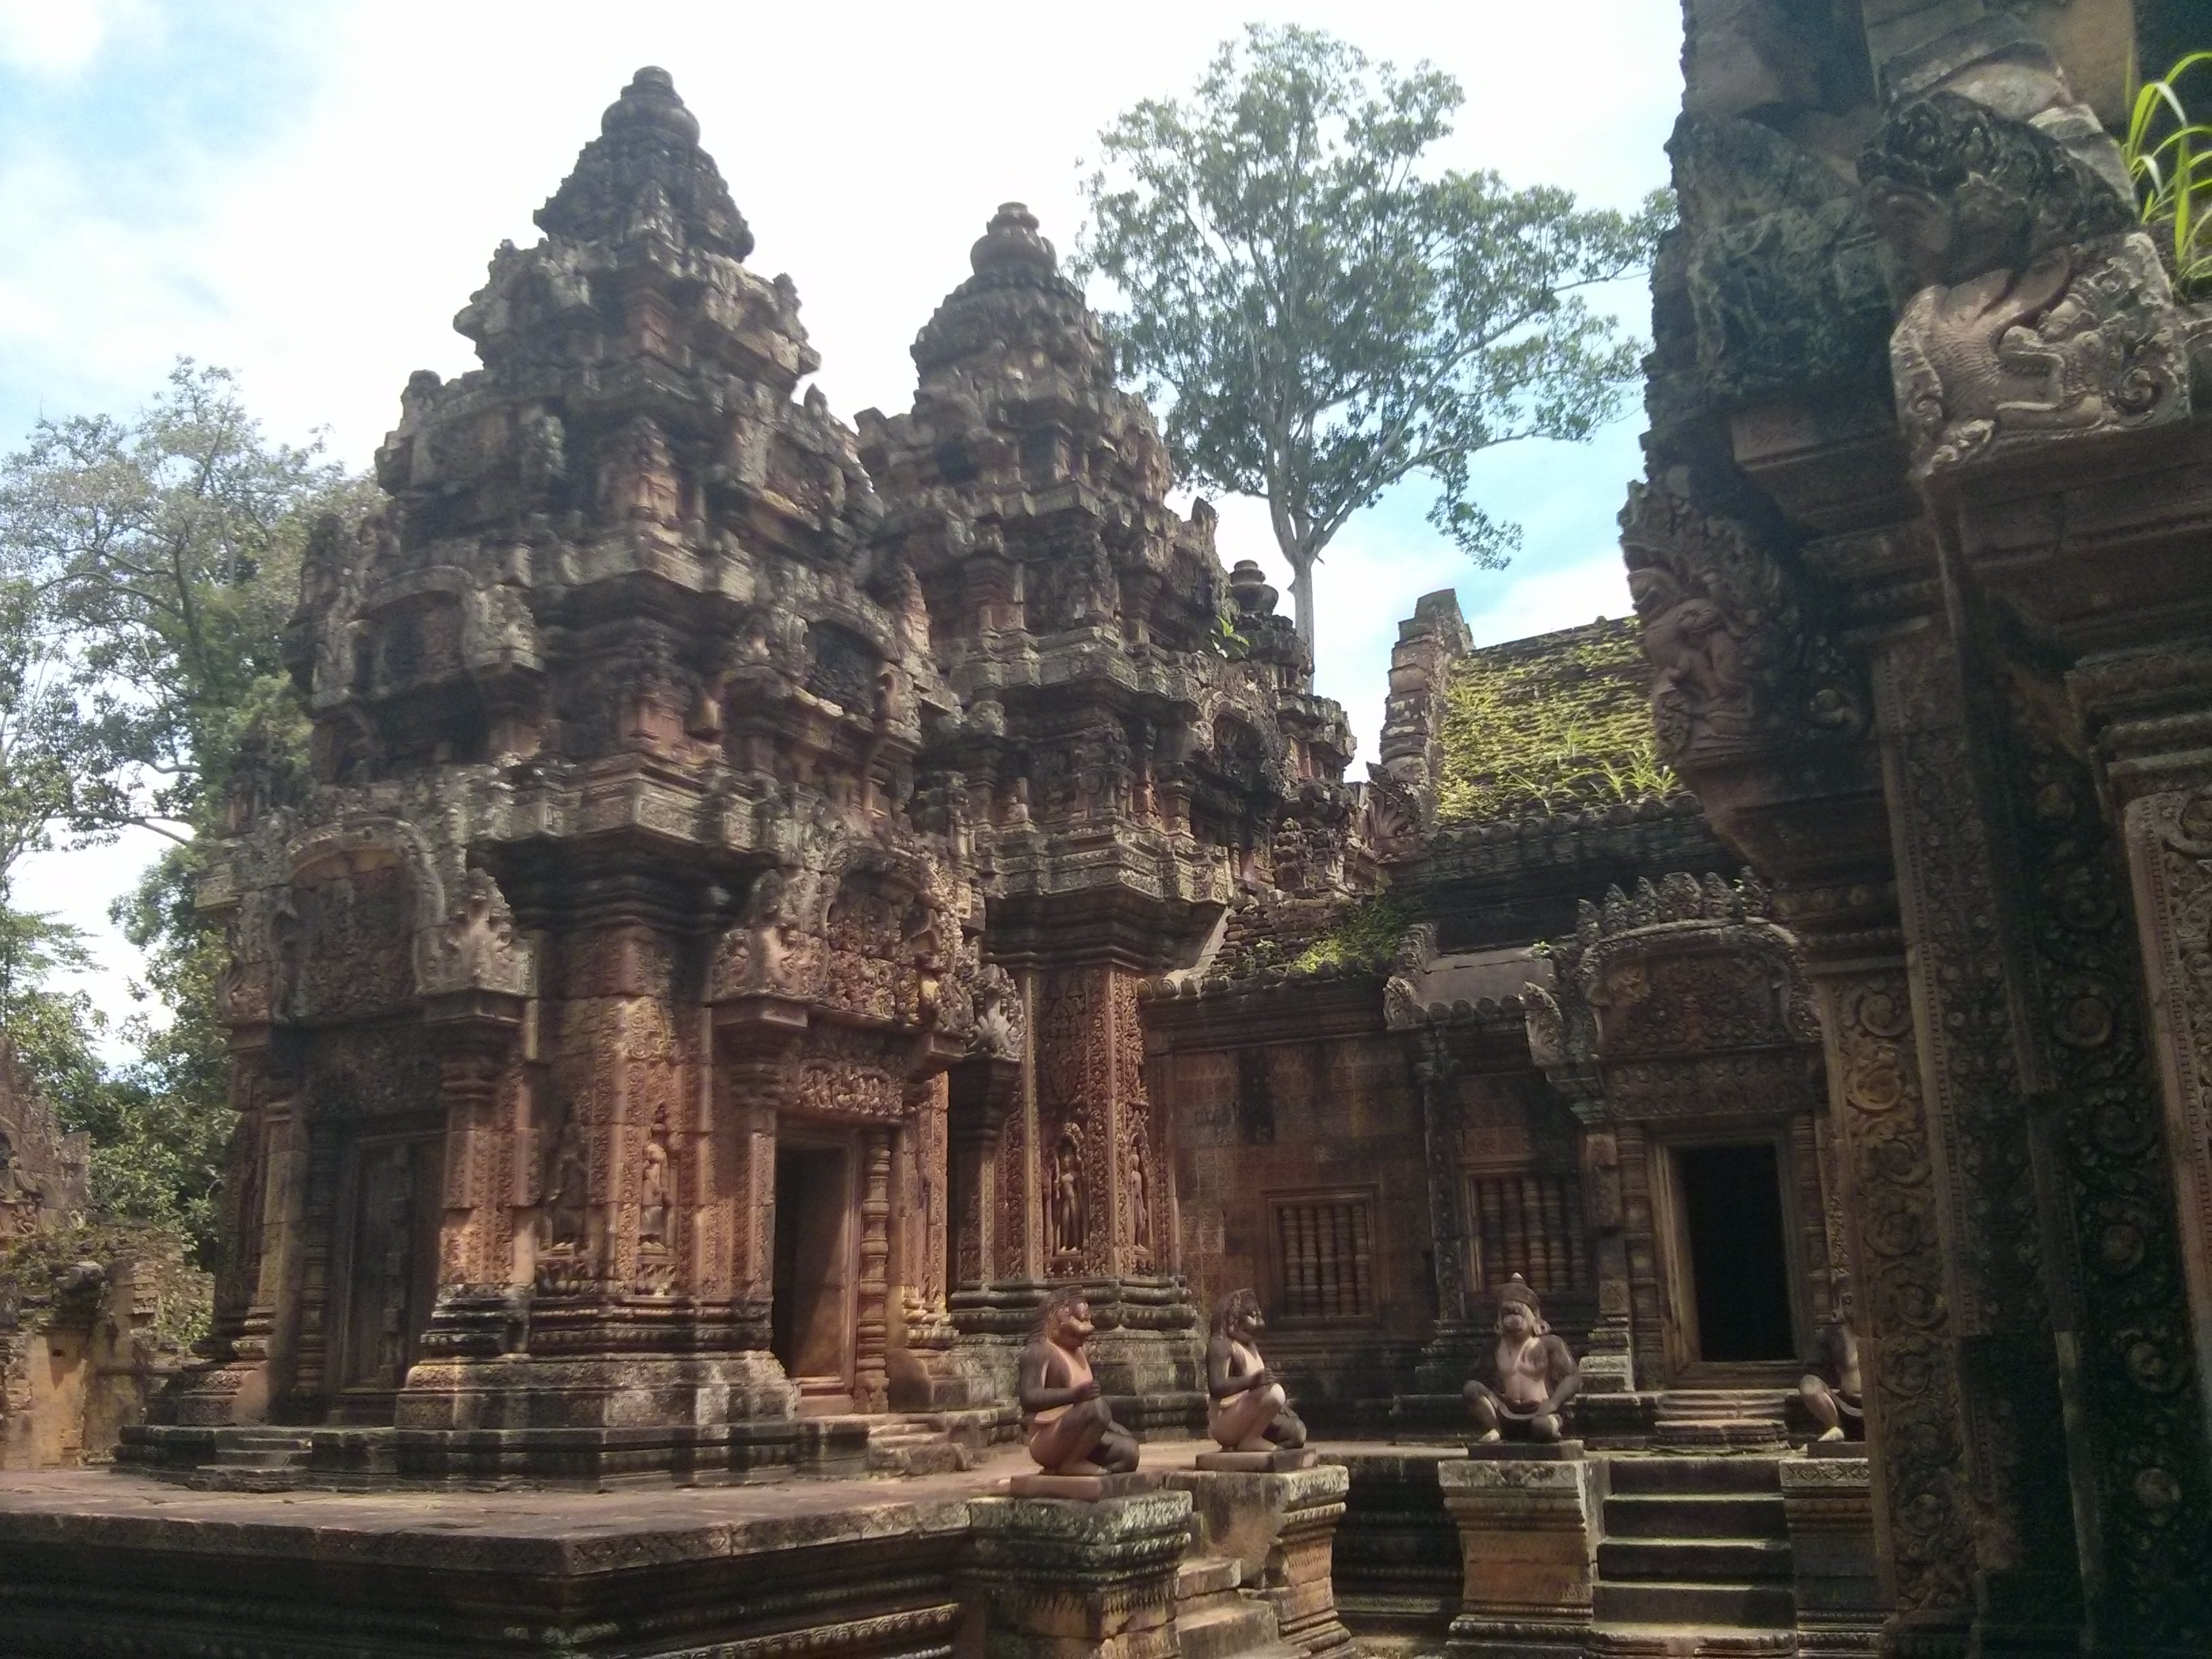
564	1529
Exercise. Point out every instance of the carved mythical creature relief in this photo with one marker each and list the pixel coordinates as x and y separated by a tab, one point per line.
999	1030
1737	661
763	952
1390	819
2081	341
2038	311
476	947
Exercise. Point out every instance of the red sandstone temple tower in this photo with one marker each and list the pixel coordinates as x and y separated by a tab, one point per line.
712	933
1118	770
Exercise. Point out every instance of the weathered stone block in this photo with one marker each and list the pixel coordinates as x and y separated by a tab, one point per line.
1529	1554
1829	1500
1280	1528
1259	1462
1054	1578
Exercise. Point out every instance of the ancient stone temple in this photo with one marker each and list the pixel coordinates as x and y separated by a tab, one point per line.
797	931
1927	471
633	1072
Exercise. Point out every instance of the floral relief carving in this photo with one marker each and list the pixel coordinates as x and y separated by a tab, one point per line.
2138	1370
1884	1137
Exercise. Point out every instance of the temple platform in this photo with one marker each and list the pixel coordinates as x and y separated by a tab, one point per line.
96	1562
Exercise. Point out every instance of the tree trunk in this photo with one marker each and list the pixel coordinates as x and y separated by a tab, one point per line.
1301	560
1302	596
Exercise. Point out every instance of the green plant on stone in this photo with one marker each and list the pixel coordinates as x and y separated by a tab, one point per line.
2169	159
1361	939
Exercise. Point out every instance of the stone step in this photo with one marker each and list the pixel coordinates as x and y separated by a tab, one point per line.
1707	1515
1206	1575
1692	1474
1743	1606
245	1457
1693	1560
1227	1626
1632	1641
1720	1435
903	1451
210	1477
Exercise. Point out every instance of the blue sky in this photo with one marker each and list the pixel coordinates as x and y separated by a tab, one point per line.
308	193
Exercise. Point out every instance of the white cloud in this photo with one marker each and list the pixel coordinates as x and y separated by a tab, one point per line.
51	37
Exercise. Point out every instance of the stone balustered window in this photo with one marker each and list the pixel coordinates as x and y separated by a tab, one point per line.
1531	1225
1324	1247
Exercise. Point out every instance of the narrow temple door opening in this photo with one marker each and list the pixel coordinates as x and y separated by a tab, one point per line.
810	1323
388	1269
1739	1253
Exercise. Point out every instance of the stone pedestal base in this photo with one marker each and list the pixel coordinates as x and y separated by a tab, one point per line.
1526	1452
1258	1462
589	1418
206	1396
1083	1488
1279	1526
1528	1549
1057	1579
1828	1498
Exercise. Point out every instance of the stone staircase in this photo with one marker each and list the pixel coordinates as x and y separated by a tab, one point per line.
935	1442
1694	1558
258	1460
1721	1419
1215	1620
911	1443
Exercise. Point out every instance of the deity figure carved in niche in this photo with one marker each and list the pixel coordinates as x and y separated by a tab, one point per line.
1832	1389
1065	1199
1140	1200
568	1196
1247	1409
1536	1373
653	1204
1071	1428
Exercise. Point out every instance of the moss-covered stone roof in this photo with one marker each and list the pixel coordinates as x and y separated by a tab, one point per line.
1557	722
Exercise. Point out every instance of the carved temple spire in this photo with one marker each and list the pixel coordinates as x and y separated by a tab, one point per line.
648	145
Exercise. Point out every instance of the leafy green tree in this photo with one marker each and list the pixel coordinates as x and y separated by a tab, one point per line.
154	559
170	544
1326	317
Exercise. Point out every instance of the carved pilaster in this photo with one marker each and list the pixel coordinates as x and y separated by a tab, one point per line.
871	1386
1922	1509
2135	1427
475	1056
1435	1071
2169	838
1968	999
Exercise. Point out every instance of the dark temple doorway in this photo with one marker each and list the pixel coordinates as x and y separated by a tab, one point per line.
811	1323
1739	1254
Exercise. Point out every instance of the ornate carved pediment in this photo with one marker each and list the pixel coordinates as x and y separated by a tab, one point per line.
1688	1000
2038	311
1739	665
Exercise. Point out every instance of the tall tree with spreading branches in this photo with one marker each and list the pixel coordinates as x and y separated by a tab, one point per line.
1325	317
148	565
